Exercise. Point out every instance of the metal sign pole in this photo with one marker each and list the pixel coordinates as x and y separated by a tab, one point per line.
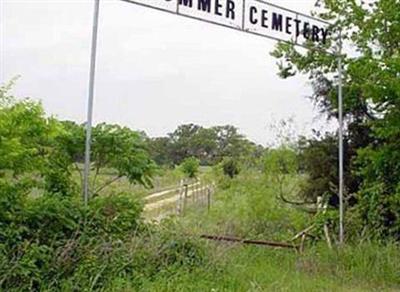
341	183
90	103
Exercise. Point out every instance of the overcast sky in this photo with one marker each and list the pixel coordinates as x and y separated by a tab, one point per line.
155	70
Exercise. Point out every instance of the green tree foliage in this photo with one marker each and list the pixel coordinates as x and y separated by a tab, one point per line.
371	103
114	148
124	150
280	161
209	145
27	146
318	158
38	156
160	150
280	168
230	167
194	140
190	167
48	239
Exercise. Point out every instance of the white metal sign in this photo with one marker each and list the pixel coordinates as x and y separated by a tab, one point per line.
251	16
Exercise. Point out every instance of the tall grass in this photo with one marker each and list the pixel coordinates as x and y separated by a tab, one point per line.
249	268
56	245
247	207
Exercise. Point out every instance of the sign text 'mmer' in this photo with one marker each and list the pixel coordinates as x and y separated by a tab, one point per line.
254	16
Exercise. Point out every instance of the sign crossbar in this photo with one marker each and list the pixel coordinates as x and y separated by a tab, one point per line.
242	26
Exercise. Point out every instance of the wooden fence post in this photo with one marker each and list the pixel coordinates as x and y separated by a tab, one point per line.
185	198
208	198
323	206
180	202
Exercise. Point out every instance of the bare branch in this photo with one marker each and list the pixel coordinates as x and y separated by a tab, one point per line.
107	184
79	171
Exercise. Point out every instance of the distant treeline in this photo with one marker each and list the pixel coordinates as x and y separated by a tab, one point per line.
209	145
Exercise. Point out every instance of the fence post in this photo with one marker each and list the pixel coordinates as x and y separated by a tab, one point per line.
179	202
208	198
199	191
205	191
185	198
202	195
194	191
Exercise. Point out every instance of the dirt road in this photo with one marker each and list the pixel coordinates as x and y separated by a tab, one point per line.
160	204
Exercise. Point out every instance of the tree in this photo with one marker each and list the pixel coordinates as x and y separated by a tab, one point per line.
181	142
371	104
45	152
209	145
230	167
113	147
190	167
280	167
230	142
193	140
160	150
27	140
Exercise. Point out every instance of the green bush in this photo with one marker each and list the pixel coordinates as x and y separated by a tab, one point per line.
230	167
190	167
55	243
50	235
116	216
177	250
279	162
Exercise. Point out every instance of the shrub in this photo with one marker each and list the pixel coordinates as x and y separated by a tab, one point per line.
190	166
178	250
230	167
49	237
114	216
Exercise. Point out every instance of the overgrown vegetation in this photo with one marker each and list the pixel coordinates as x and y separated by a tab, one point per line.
48	239
249	208
190	167
371	106
230	166
56	244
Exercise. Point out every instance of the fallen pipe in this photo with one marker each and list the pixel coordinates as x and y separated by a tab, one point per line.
249	241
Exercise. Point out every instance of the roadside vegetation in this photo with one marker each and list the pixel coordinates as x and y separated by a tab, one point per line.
50	241
248	207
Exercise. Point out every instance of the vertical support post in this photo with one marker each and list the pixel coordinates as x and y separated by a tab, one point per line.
90	102
194	193
341	180
204	194
208	198
185	198
180	199
243	15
